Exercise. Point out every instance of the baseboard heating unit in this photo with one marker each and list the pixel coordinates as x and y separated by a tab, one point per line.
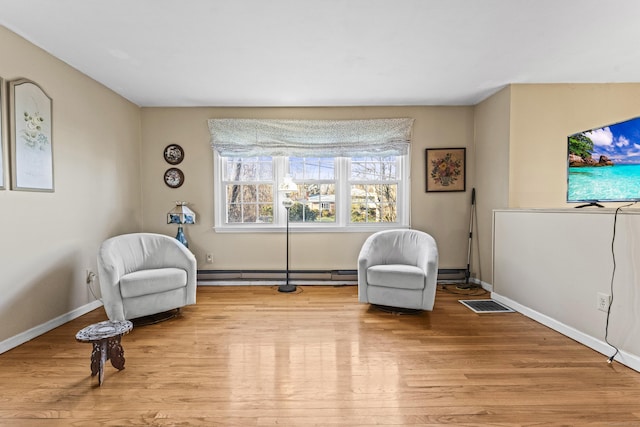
453	275
485	306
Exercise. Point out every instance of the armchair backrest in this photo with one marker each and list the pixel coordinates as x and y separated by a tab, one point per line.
141	251
403	246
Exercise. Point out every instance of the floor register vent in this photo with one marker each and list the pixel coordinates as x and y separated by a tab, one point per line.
486	306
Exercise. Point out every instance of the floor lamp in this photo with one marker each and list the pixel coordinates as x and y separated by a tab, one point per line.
287	187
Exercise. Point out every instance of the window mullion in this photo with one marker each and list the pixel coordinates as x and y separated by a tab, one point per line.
219	203
404	187
343	184
280	169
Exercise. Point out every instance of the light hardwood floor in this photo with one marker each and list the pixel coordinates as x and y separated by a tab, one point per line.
250	356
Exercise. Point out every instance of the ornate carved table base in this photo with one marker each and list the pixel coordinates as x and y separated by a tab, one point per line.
105	337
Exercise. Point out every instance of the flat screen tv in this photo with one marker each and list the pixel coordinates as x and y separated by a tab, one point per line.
604	164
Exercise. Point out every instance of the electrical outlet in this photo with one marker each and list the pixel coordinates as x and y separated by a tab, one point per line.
91	276
603	301
209	258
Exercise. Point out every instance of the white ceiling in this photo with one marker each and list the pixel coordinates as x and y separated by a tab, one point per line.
332	52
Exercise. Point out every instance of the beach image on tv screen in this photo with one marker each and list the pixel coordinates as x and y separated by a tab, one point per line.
604	163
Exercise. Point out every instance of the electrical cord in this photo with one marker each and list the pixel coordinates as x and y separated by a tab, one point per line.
611	287
91	277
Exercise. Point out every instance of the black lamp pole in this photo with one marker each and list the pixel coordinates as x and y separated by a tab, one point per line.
287	287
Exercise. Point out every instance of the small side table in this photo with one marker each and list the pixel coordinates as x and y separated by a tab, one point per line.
105	337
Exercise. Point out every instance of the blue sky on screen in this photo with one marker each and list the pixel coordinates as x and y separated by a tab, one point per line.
620	142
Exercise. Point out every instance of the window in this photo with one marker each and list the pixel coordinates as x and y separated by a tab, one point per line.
351	174
373	187
315	200
346	193
248	189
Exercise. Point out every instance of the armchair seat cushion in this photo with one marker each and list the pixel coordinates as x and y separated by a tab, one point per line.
145	282
398	276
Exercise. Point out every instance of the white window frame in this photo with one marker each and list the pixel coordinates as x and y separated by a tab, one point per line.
342	198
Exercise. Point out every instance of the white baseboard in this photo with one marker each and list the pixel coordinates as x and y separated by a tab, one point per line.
630	360
486	286
36	331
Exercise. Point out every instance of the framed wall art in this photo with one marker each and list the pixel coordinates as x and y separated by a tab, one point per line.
446	169
173	177
30	122
173	154
2	186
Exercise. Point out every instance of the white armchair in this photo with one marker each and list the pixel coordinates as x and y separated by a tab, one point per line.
144	273
398	268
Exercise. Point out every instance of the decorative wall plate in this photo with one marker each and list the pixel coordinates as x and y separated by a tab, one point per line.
173	154
173	177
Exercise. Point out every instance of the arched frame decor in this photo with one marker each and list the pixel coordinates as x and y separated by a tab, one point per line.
31	131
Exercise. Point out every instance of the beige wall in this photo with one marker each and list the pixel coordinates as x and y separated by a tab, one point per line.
444	215
541	118
50	239
492	137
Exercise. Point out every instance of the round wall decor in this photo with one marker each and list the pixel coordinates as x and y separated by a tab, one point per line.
173	154
173	177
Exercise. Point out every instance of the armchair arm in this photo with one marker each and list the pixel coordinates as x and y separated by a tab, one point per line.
109	272
369	255
178	256
431	271
161	251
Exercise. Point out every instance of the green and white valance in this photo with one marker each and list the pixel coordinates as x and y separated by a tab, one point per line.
310	138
